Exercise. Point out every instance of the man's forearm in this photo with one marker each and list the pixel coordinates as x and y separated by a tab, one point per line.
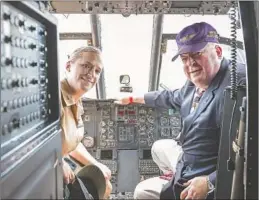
138	100
82	155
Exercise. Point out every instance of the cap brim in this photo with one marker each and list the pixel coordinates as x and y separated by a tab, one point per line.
190	49
93	173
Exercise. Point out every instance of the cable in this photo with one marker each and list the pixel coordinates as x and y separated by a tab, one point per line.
233	74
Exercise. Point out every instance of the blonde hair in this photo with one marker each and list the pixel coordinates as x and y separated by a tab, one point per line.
77	53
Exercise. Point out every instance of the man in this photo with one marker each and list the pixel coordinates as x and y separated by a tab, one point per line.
200	102
82	72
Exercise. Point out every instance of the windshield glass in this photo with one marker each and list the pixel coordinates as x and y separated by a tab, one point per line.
172	74
126	43
73	22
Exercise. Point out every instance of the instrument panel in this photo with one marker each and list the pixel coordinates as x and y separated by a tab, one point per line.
29	123
24	81
135	7
121	137
28	81
132	126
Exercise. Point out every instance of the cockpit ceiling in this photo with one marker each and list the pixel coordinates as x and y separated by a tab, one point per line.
127	8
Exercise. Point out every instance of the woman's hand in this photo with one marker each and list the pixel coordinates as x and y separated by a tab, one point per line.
68	174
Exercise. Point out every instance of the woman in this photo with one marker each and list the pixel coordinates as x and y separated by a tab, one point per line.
82	72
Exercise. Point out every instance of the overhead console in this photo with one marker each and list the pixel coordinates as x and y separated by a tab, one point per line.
127	8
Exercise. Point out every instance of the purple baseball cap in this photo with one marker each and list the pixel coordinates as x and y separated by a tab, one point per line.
194	38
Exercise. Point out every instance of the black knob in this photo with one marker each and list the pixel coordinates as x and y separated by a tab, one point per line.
32	28
21	23
42	33
8	61
43	80
43	49
33	64
43	112
15	83
4	105
96	4
7	39
16	123
43	64
32	46
42	96
6	16
34	81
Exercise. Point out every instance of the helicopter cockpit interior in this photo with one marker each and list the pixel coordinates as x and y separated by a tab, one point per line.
137	39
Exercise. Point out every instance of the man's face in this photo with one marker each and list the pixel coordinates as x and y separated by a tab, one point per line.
200	68
84	72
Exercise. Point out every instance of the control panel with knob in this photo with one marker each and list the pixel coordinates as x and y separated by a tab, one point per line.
28	85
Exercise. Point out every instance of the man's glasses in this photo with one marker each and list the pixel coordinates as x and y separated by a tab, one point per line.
195	56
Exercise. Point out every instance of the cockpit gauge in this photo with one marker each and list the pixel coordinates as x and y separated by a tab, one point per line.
150	111
151	127
174	121
103	137
142	119
103	130
142	111
142	133
150	142
150	134
165	132
142	127
88	142
150	119
110	130
103	143
110	136
164	121
110	123
106	111
142	142
86	118
102	123
175	131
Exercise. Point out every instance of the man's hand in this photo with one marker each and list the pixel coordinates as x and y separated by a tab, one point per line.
128	100
68	174
123	101
106	171
197	188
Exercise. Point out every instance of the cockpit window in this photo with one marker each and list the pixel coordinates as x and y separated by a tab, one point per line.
222	23
73	23
172	74
126	45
